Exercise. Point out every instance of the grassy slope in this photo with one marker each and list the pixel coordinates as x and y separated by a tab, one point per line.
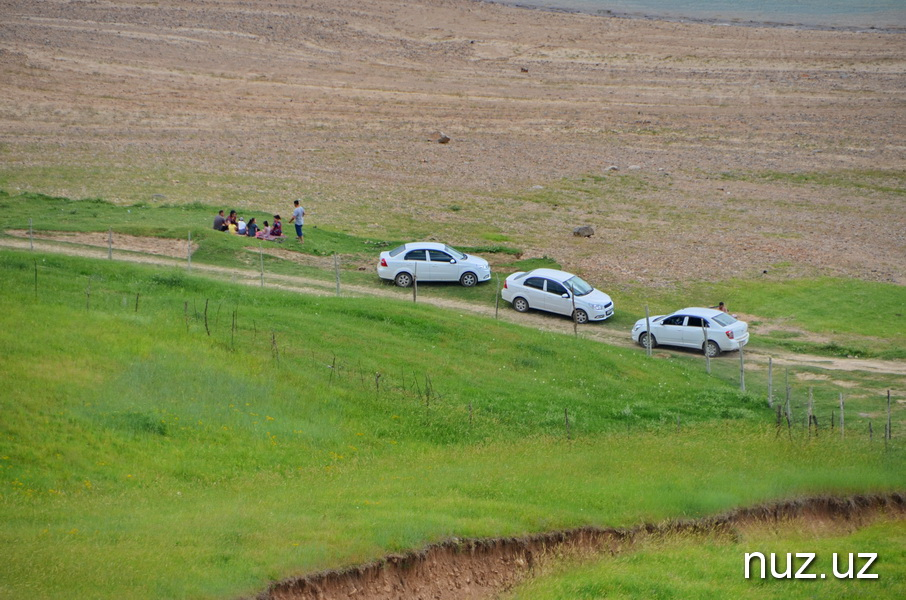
141	457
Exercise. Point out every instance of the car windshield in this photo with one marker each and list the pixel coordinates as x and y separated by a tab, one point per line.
724	319
456	253
578	286
396	251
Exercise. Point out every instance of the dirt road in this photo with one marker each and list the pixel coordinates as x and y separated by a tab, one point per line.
169	253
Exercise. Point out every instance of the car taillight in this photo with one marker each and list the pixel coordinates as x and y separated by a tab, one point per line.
504	284
383	262
730	334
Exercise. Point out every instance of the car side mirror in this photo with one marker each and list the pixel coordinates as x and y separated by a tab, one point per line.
452	261
565	295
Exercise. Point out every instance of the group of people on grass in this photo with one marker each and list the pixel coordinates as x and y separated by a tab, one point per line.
274	232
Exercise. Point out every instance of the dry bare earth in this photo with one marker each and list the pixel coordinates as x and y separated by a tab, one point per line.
251	104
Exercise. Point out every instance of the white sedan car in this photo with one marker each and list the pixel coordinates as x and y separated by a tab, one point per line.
557	292
689	327
431	261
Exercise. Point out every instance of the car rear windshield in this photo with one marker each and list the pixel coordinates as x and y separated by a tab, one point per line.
396	251
456	253
724	319
578	285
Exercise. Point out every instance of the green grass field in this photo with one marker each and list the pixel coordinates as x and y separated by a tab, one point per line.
168	435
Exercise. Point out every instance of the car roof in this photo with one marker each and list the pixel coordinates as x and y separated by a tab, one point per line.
425	245
698	311
554	274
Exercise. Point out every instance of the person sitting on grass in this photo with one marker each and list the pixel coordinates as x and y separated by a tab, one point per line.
219	221
263	233
275	233
241	227
276	230
251	229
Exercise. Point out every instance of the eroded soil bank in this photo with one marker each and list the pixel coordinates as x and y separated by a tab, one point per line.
481	568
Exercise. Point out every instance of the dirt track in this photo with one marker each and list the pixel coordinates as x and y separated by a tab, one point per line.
171	253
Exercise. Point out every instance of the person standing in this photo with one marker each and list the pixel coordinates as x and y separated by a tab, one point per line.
299	216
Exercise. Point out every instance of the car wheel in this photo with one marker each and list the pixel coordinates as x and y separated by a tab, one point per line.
468	279
643	340
520	304
712	349
580	316
403	279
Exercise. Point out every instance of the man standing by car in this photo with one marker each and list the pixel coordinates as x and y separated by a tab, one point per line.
299	217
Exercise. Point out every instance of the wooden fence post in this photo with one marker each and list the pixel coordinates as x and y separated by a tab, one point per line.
742	370
770	382
789	409
705	346
842	422
575	317
809	416
110	244
496	309
189	253
336	270
647	332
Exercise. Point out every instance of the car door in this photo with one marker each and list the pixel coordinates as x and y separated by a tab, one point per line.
554	300
670	331
693	336
533	291
416	262
442	266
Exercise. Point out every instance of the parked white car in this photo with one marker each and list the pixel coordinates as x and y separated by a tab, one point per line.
431	261
684	328
557	292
